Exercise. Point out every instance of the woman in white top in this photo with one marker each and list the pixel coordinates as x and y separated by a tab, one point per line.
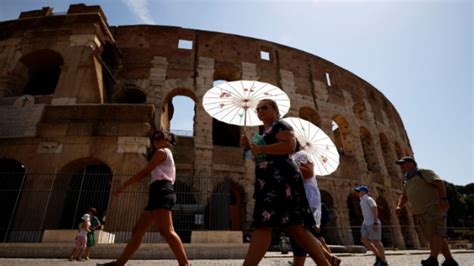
305	164
81	238
160	201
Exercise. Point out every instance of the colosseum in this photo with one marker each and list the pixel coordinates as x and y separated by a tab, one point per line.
79	99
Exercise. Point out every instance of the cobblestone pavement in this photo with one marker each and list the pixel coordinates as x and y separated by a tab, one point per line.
464	259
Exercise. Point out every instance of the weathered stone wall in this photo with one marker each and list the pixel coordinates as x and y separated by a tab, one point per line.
80	121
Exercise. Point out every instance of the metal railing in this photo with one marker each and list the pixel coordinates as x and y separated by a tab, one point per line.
35	202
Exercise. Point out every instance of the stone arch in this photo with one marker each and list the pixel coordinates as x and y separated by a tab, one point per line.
330	228
375	106
360	110
388	155
225	207
224	134
12	178
79	185
111	65
398	150
168	109
404	221
43	68
355	216
130	94
186	210
368	147
389	112
342	135
308	113
384	213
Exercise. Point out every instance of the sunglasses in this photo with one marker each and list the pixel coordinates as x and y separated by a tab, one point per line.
263	108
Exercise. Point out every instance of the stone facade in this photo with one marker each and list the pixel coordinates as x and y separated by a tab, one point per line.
112	85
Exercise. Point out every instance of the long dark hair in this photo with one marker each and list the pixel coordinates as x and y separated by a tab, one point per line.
163	133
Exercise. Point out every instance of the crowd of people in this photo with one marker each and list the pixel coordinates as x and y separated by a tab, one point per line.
286	196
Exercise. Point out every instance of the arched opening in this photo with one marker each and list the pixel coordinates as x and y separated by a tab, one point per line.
329	229
389	112
186	213
12	178
178	112
310	115
130	95
88	187
44	68
369	150
355	217
111	64
359	109
225	209
224	134
398	150
340	129
374	104
405	228
217	208
385	218
81	184
388	155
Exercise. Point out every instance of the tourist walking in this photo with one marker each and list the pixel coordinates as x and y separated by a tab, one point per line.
426	193
371	229
280	200
161	199
313	195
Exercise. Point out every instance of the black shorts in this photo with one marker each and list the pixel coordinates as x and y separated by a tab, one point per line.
161	196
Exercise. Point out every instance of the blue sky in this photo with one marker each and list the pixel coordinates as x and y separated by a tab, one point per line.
419	54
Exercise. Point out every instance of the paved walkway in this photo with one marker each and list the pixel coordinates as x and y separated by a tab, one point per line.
402	258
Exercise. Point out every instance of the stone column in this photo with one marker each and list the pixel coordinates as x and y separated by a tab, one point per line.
154	92
203	121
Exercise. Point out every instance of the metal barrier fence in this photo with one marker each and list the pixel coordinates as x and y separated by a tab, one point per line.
34	202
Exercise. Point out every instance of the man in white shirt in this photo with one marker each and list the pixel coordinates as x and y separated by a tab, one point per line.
371	229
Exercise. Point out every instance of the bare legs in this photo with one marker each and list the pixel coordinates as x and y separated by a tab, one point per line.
142	225
438	245
162	218
375	246
309	243
261	239
164	222
259	243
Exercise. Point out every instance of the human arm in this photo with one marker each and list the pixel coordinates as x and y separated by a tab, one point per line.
158	157
307	170
443	199
402	200
286	145
375	213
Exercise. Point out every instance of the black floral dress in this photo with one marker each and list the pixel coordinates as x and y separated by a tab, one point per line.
279	194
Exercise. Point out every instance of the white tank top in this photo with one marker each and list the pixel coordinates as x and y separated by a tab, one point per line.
166	170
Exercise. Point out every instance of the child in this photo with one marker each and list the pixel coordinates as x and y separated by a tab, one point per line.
81	238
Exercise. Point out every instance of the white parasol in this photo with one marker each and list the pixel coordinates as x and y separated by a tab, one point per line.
235	102
317	145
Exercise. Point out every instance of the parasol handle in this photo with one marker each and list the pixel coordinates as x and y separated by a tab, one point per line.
245	121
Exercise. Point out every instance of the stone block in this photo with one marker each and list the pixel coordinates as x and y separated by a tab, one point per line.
216	237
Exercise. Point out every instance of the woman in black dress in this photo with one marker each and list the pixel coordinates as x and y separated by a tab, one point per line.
280	200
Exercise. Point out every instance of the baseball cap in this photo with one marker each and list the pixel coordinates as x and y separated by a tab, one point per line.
361	188
405	159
